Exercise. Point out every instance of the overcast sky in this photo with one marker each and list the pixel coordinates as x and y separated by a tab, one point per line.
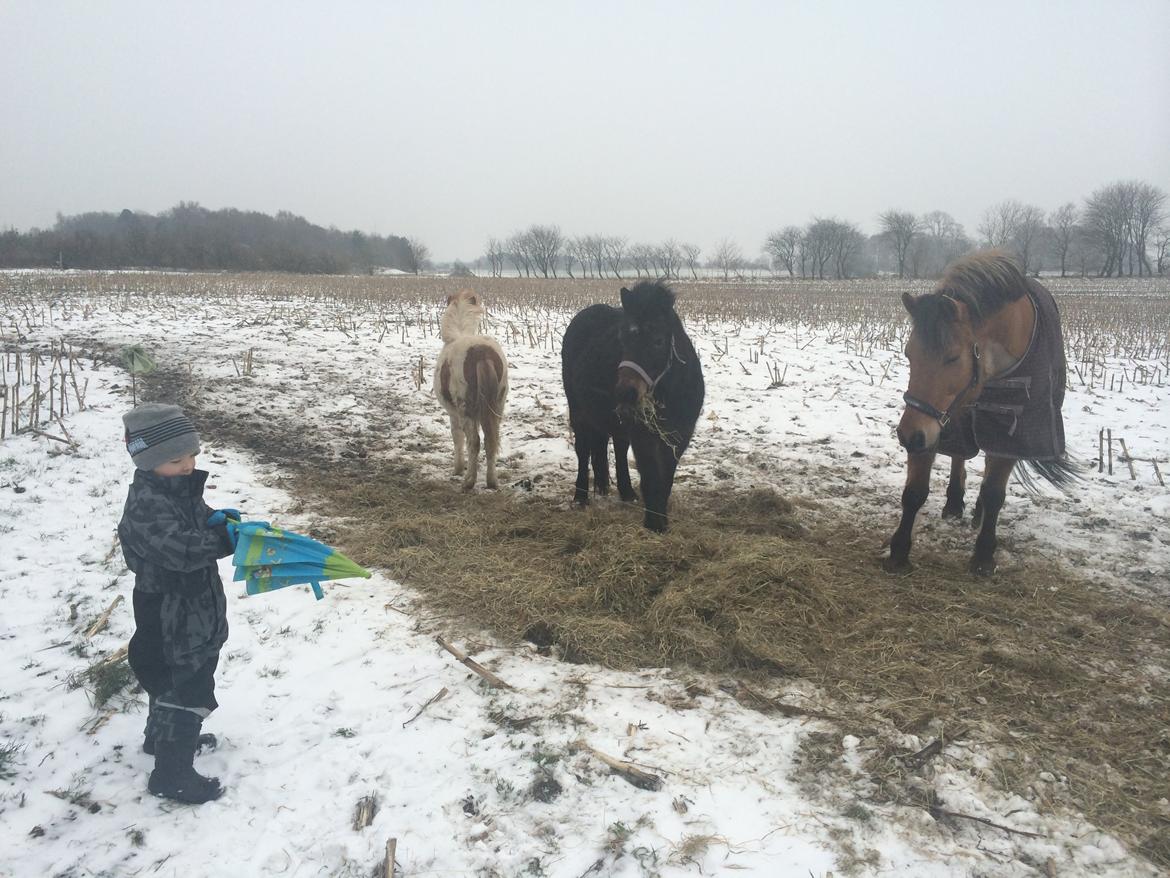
452	121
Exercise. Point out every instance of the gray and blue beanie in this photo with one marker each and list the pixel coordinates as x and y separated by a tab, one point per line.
157	432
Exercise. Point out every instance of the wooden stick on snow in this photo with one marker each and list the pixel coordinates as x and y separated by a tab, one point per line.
103	618
628	771
471	663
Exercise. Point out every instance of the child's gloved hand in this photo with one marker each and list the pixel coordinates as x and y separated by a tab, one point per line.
221	516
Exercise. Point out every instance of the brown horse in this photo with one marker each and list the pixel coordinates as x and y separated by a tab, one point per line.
987	373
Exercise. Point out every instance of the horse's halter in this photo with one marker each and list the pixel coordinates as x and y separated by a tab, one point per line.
645	376
944	418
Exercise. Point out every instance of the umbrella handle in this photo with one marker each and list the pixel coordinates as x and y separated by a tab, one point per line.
317	590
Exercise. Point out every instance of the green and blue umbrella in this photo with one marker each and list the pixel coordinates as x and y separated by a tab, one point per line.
268	558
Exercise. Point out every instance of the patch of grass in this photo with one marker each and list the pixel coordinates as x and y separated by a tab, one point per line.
103	680
9	751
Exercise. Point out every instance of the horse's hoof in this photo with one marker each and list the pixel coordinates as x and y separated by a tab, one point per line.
492	483
657	524
897	565
581	499
981	568
952	511
468	487
630	498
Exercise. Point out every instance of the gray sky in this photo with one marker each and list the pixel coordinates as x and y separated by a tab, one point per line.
454	121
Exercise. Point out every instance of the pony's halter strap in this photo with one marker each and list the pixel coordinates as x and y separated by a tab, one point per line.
644	375
942	417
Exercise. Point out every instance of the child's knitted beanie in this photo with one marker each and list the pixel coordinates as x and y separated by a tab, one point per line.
157	432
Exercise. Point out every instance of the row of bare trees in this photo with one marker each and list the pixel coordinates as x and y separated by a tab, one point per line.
1115	232
1121	228
543	250
189	236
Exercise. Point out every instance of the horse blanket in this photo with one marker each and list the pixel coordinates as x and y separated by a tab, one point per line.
1018	414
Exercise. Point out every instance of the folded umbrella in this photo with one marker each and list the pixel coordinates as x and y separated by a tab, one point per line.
268	558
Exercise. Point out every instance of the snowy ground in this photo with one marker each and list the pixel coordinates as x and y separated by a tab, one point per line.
315	695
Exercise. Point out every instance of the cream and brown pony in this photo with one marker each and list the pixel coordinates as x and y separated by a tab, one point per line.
471	381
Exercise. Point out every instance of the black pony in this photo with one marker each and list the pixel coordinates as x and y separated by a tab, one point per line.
632	373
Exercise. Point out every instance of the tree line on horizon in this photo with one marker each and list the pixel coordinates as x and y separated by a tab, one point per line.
1120	229
192	237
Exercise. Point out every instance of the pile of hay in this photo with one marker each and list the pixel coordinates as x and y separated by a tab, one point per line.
1071	677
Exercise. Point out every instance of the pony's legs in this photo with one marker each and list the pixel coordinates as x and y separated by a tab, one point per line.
913	496
582	444
458	440
955	489
599	456
491	446
991	497
621	466
471	431
656	465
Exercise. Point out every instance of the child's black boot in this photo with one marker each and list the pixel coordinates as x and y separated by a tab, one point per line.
175	777
206	743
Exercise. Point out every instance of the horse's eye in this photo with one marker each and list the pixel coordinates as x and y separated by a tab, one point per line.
950	360
473	300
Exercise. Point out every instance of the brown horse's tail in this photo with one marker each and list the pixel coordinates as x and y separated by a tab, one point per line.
488	404
1060	472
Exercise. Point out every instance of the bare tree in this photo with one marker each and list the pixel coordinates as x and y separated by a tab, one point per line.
670	255
900	227
1063	222
519	250
846	241
727	257
1108	214
495	256
1028	234
614	250
690	255
545	243
1148	213
818	245
569	254
941	242
784	247
641	255
418	253
1162	249
999	223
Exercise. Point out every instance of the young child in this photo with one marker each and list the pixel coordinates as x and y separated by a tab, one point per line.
172	540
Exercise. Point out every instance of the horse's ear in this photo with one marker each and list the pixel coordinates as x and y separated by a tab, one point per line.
908	302
624	294
450	299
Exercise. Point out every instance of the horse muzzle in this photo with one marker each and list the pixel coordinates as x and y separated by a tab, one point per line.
629	391
915	436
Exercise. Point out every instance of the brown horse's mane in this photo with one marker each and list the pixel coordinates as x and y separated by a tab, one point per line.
984	282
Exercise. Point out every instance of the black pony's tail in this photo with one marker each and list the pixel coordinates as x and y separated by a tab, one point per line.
1060	472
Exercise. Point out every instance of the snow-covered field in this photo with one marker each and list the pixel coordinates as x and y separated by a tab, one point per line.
319	699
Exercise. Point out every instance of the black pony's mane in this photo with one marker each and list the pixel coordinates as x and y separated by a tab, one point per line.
984	282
